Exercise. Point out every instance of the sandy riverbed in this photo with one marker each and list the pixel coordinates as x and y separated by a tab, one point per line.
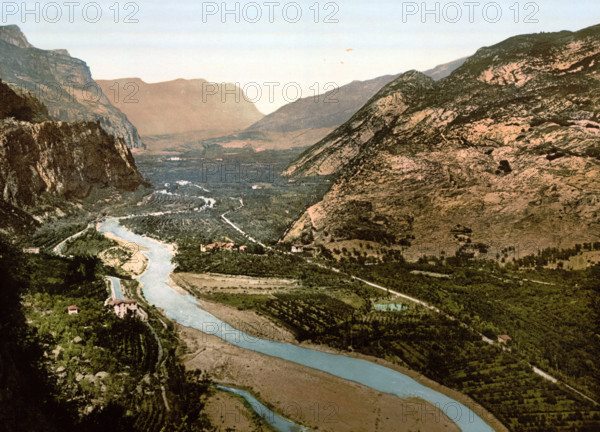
257	325
134	266
228	412
307	396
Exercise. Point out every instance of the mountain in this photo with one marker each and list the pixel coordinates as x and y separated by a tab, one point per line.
327	111
335	107
43	162
503	152
63	83
308	120
444	70
182	106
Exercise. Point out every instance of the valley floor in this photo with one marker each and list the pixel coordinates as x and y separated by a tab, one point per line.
268	292
386	412
309	397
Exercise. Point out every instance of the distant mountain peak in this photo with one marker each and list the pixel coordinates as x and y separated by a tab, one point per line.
182	105
13	35
444	70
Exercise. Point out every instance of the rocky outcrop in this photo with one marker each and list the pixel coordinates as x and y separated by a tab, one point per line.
21	105
507	148
63	83
181	106
41	161
374	119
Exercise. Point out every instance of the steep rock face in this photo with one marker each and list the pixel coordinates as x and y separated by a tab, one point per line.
21	105
57	159
63	83
181	106
503	152
345	143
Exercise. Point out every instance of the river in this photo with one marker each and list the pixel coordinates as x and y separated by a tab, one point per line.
187	311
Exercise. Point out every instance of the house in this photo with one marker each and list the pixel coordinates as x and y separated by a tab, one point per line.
124	307
73	310
504	339
31	250
298	248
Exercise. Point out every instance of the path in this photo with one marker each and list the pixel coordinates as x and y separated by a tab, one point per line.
59	247
426	305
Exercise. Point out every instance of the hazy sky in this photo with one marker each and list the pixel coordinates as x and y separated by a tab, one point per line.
268	42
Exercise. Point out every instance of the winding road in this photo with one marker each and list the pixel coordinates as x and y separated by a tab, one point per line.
422	303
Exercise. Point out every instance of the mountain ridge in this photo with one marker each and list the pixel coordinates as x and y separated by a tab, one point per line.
63	83
473	149
324	111
181	106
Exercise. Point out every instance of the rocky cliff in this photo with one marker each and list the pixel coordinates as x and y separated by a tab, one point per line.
181	106
504	152
63	83
42	161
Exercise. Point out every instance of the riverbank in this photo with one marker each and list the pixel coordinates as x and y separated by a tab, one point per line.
260	326
133	263
228	412
343	369
307	396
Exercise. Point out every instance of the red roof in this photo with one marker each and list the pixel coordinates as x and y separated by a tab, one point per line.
73	307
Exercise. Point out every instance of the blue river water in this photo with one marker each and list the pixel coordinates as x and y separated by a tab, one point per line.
116	283
279	423
187	311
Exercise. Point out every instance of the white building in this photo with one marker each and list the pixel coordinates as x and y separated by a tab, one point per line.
124	307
